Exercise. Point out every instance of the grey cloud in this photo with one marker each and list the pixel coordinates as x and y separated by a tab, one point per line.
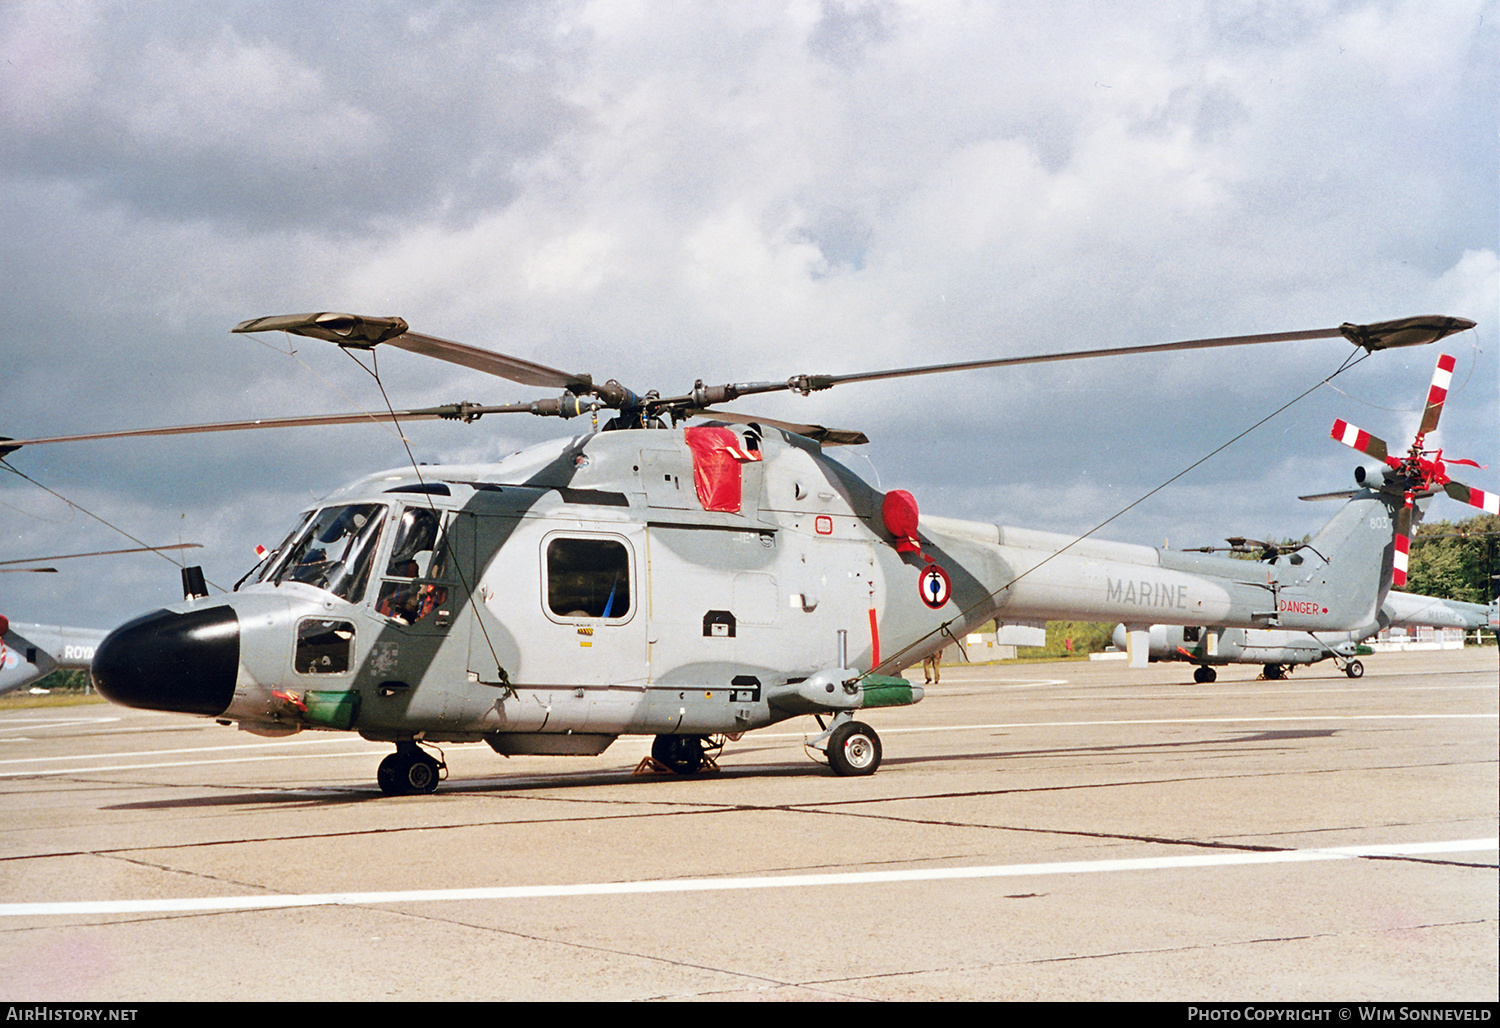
236	118
847	29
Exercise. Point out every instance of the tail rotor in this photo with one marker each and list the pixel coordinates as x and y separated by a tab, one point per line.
1420	472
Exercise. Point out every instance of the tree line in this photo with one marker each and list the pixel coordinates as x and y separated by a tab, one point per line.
1456	560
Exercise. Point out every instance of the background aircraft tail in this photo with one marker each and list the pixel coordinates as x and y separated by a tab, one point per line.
29	652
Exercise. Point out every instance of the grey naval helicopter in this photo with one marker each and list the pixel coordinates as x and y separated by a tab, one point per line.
1278	650
688	582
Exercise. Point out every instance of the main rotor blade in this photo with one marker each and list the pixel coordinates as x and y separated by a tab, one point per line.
354	331
827	381
344	329
452	411
1415	331
1376	336
491	363
101	553
826	436
1442	375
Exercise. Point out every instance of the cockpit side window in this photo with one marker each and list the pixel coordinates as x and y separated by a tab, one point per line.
323	647
417	566
416	551
588	578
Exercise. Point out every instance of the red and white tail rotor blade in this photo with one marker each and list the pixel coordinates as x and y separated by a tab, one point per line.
1487	502
1436	394
1359	439
1403	545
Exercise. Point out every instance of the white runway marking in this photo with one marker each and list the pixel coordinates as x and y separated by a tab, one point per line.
310	741
257	759
31	724
238	747
187	905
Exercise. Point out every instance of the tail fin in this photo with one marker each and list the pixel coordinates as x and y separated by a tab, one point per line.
1348	565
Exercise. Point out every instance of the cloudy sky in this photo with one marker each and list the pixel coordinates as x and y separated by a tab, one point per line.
661	192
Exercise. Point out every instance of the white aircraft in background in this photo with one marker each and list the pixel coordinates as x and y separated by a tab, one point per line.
29	652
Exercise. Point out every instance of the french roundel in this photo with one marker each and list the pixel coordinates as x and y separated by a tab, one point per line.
934	586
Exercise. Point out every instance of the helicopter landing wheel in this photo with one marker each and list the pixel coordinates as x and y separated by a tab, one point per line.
1204	675
389	775
1354	669
407	772
1274	672
853	749
422	774
681	754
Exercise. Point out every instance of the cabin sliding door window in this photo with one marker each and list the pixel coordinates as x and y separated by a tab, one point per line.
587	577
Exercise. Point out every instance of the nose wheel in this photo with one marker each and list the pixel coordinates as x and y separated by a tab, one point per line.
409	771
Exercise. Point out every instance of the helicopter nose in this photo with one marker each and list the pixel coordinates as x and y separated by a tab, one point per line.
168	661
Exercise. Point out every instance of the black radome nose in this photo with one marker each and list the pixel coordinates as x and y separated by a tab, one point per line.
168	661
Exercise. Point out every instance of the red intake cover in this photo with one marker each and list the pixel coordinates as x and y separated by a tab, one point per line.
717	456
900	513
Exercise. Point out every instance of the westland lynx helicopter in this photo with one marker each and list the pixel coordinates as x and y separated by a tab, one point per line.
1278	651
685	582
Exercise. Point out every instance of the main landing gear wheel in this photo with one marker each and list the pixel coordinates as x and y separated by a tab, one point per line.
682	754
1274	672
1204	675
1354	669
409	771
854	749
